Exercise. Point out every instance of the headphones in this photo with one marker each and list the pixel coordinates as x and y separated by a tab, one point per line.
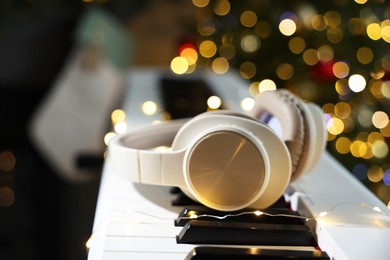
226	160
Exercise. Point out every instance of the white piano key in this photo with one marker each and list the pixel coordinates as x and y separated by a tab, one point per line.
108	255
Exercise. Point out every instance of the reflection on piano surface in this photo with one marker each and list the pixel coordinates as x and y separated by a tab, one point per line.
326	214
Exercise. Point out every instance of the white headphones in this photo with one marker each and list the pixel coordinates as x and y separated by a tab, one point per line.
225	160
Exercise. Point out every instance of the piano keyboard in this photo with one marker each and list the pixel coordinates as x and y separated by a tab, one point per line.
138	221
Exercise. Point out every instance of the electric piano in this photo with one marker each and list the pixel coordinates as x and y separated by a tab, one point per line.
326	214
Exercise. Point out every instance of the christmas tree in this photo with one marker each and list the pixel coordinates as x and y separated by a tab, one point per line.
334	53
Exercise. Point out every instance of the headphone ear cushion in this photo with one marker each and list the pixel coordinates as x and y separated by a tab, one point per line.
288	109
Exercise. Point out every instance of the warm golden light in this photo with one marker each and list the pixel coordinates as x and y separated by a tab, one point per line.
149	108
287	27
220	65
343	145
250	43
380	149
118	115
248	18
285	71
108	137
247	70
247	104
357	83
297	45
179	65
335	126
214	102
190	55
375	173
207	49
325	53
267	85
380	119
200	3
310	57
342	110
374	31
120	127
340	69
7	161
364	55
221	7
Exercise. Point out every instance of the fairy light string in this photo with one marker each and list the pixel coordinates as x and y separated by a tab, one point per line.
259	213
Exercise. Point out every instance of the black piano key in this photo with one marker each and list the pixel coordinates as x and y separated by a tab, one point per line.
288	216
238	233
248	253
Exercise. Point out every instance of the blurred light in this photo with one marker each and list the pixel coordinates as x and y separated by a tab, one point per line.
364	117
297	45
343	145
263	29
310	57
227	50
118	115
287	27
385	131
375	88
385	89
267	85
214	102
247	104
356	26
386	178
364	55
250	43
328	108
200	3
361	1
108	137
360	171
220	65
7	161
355	148
335	126
120	127
374	31
340	69
221	7
325	53
285	71
375	173
335	35
254	89
385	26
207	49
247	70
179	65
357	83
332	18
190	55
318	22
206	27
149	108
374	136
380	119
380	149
342	110
248	18
89	242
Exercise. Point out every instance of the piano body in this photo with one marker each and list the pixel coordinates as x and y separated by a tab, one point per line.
136	221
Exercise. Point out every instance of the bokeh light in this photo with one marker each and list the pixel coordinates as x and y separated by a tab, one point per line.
266	85
357	83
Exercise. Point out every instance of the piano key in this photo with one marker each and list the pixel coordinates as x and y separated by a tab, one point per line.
279	215
249	253
237	233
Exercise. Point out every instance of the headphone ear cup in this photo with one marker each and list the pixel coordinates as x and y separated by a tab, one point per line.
232	162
